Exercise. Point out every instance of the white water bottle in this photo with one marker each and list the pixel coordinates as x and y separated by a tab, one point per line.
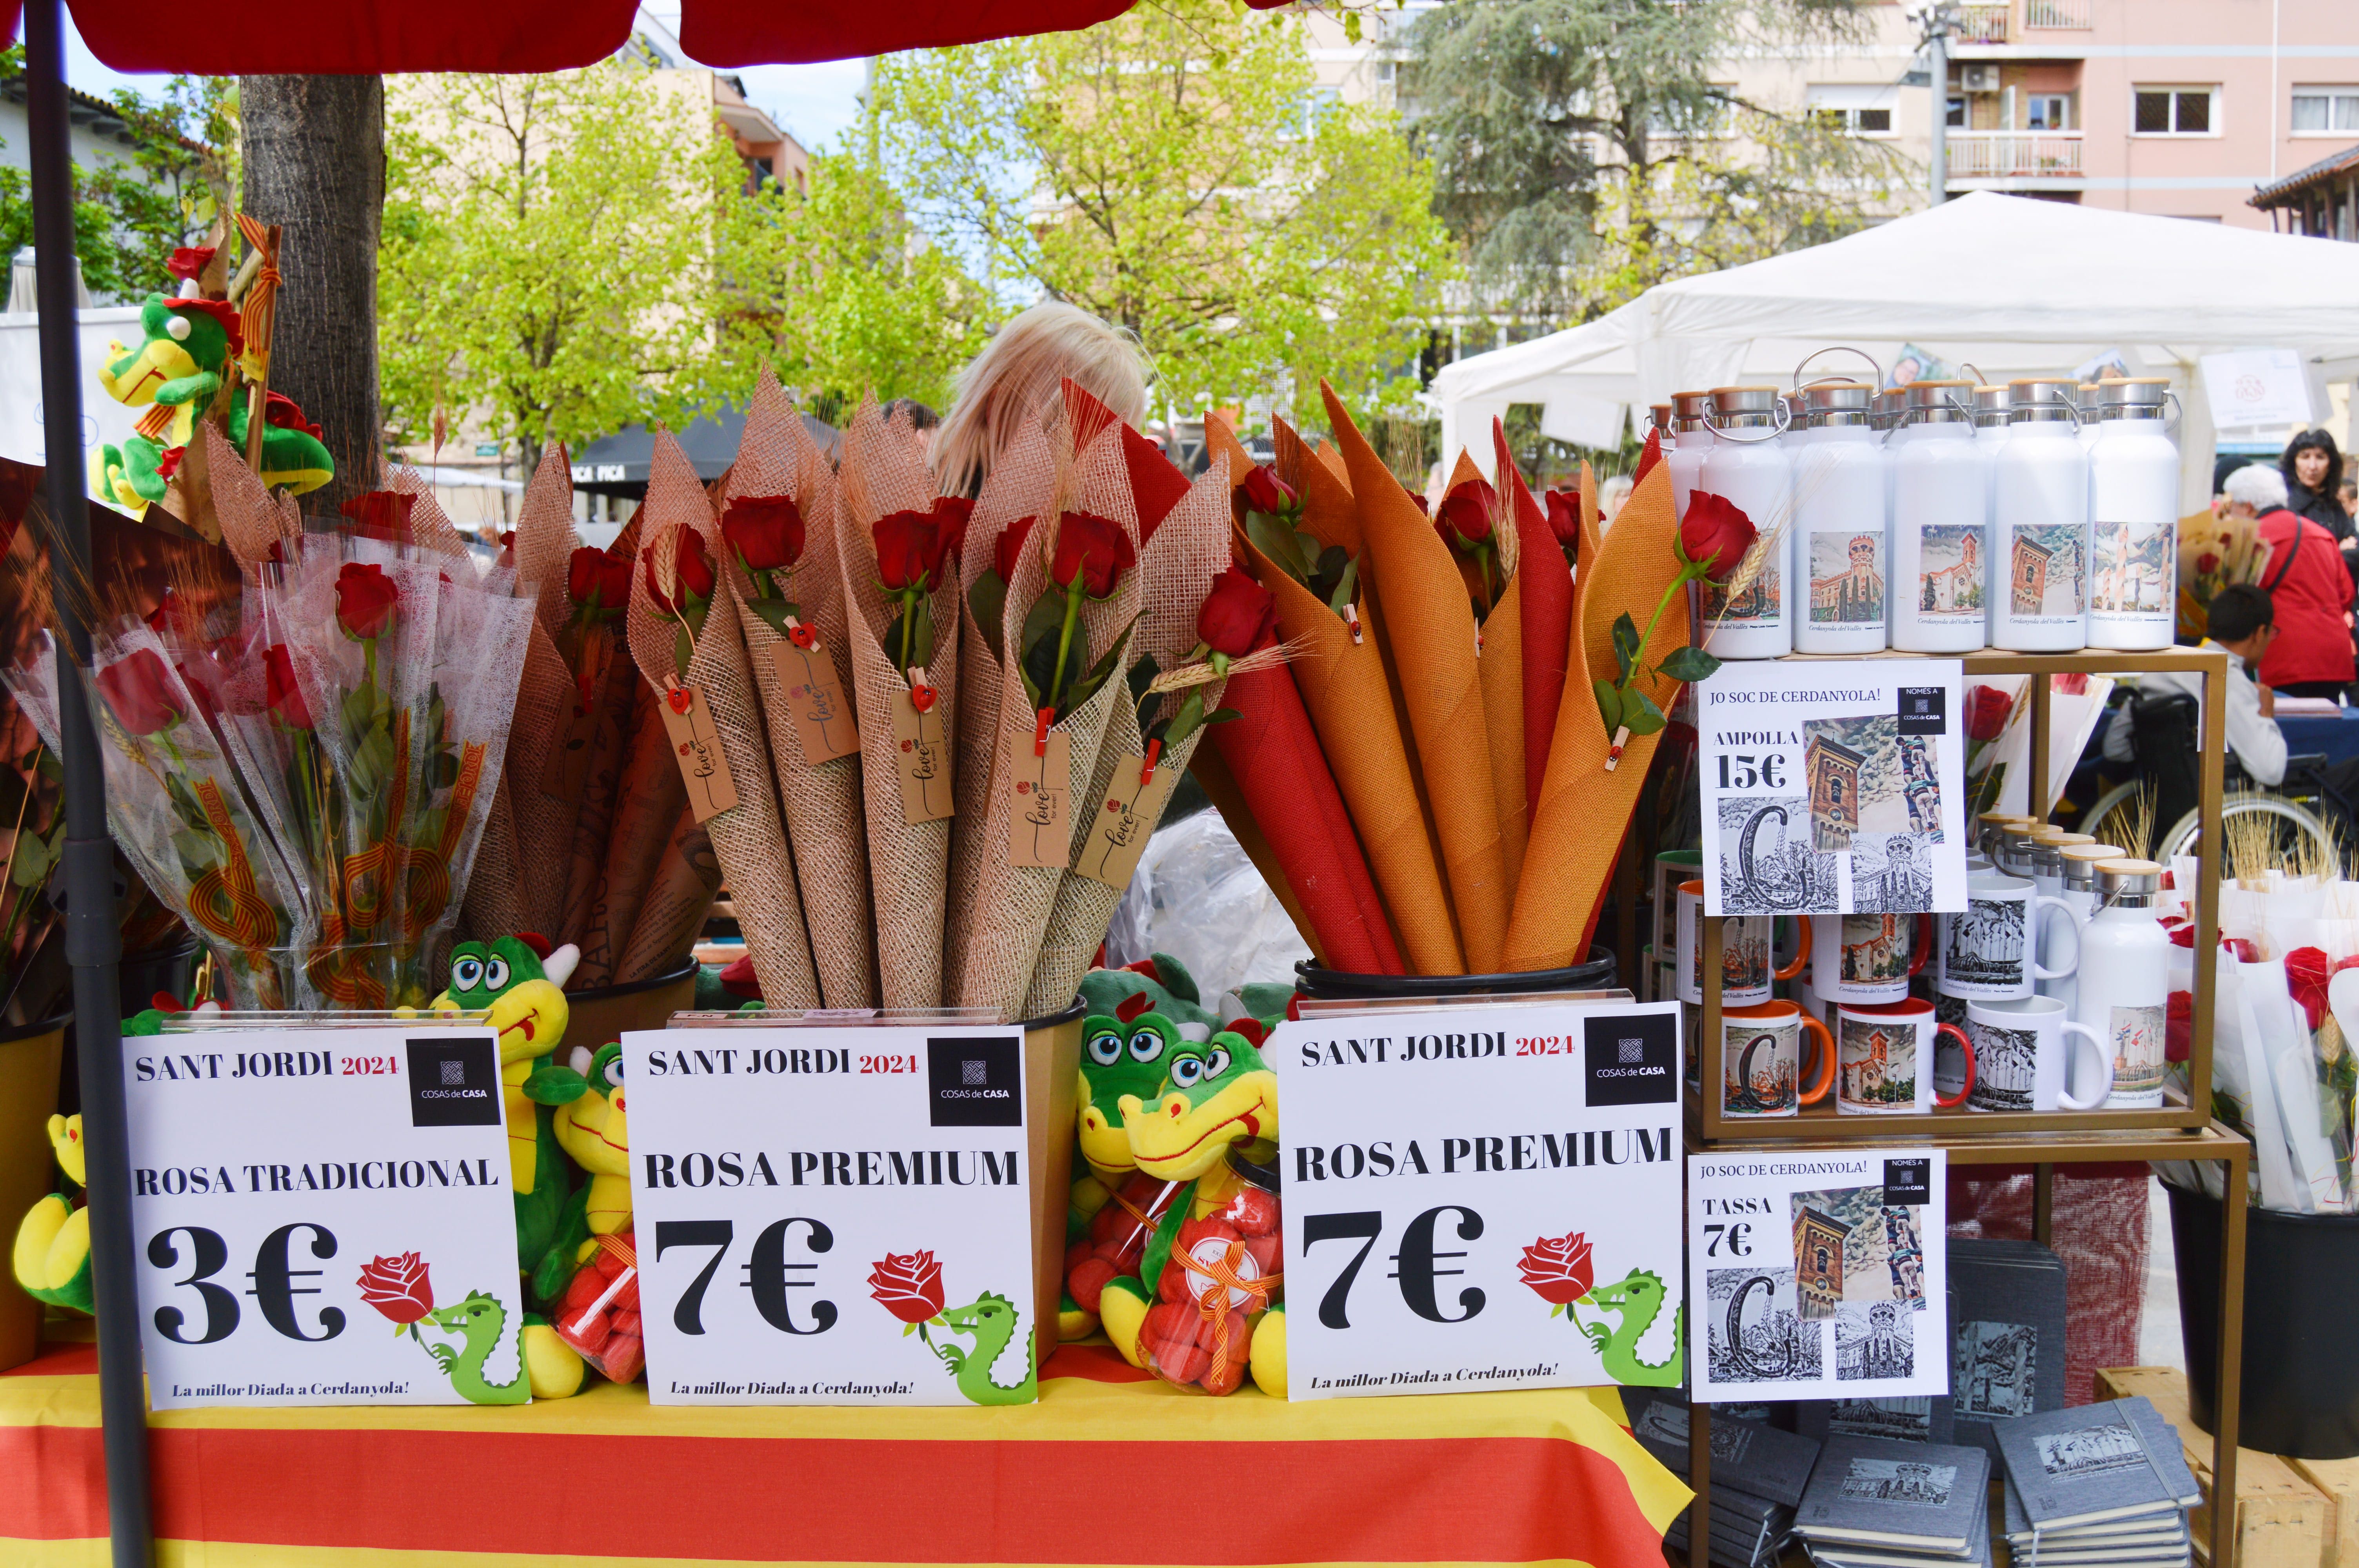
1749	467
2039	565
2133	520
1941	512
1841	560
1689	441
2124	991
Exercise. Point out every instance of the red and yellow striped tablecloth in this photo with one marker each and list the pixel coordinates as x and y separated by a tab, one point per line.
1109	1467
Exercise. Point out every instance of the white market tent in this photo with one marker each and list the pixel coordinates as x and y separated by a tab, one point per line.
2012	286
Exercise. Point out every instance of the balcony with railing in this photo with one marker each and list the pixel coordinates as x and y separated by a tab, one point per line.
2069	14
1983	22
1994	21
2014	154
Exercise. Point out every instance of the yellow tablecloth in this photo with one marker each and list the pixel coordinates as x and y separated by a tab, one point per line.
1108	1467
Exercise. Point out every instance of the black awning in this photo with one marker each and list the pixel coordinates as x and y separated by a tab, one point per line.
617	465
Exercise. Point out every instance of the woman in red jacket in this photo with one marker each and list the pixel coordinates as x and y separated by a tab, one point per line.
2306	581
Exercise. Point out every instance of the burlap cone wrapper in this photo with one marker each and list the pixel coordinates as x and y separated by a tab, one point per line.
1429	629
1176	568
1585	810
545	698
254	519
825	819
616	700
650	786
908	863
1010	918
688	876
748	837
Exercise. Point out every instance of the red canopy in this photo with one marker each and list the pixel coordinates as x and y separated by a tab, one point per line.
368	37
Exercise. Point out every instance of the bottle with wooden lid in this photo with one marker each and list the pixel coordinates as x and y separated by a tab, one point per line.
2124	990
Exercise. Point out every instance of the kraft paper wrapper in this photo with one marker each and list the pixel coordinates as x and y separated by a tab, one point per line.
1544	594
1343	685
825	818
594	821
688	879
1585	810
1211	775
646	802
1430	628
749	838
908	864
544	823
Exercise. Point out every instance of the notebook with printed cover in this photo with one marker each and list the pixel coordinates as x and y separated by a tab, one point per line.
1736	1543
2007	1323
1906	1418
2163	1528
1747	1457
1840	1554
1924	1497
2095	1463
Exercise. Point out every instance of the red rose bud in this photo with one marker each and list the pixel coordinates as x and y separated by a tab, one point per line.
1564	517
140	692
2071	682
1265	491
1986	711
1093	550
908	1285
693	564
1008	549
766	532
2179	1027
281	694
1417	498
1466	512
585	572
912	547
2307	973
399	1287
1234	615
381	515
1559	1269
953	514
175	617
2207	563
1715	533
366	599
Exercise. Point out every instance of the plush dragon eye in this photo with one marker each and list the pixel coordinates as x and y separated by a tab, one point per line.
176	328
1105	1049
1187	1071
1217	1063
496	974
1145	1046
466	974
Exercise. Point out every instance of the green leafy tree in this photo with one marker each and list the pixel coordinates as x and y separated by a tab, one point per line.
1585	153
1168	170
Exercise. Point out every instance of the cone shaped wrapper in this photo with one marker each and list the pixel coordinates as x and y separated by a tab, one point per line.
1430	628
1328	514
651	788
1221	441
908	863
602	784
1544	611
825	811
687	878
748	837
1501	668
547	699
1585	810
1212	775
1592	517
495	903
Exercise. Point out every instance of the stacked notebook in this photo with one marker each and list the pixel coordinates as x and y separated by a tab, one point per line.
2097	1486
2007	1317
1878	1502
1757	1476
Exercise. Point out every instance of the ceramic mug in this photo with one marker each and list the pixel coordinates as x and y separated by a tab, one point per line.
1672	867
1991	949
1744	960
1868	957
1761	1060
1883	1059
2019	1051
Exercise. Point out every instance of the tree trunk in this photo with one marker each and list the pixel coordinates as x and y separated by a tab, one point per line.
314	150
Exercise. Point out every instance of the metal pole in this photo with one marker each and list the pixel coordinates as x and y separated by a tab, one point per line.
1937	52
92	942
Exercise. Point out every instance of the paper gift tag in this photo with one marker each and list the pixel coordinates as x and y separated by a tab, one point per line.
815	697
569	762
1040	802
922	749
1124	820
696	746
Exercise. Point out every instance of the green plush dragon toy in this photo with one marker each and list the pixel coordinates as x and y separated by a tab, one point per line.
185	350
1121	1056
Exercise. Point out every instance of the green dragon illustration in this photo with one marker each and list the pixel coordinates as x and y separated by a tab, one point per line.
1638	1300
479	1322
991	1320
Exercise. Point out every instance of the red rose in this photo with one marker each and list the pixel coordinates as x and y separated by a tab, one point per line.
281	694
1417	498
766	532
1466	512
399	1287
2071	682
1265	491
1009	547
2307	972
1564	517
912	547
908	1285
1558	1268
366	599
2243	949
691	571
2207	563
139	691
176	618
953	514
1715	533
1235	614
1986	711
592	574
380	514
1092	549
2179	1027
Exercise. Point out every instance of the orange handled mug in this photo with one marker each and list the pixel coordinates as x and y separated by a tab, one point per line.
1885	1059
1761	1060
1745	969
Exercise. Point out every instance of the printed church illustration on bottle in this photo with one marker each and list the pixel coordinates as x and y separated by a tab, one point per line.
1958	587
1856	594
2028	573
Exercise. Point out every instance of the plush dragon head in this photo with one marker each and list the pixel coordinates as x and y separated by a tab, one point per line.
184	348
1122	1056
509	978
1214	1093
591	1128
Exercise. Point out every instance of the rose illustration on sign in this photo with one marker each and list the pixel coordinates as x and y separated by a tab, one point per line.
400	1287
1558	1269
910	1286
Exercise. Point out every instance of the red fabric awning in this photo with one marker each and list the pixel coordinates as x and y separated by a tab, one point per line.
369	37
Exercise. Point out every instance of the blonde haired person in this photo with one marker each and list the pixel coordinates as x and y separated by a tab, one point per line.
1017	374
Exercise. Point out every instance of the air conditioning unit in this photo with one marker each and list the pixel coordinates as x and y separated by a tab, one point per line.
1978	77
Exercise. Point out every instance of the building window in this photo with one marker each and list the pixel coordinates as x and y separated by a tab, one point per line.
2048	112
2324	110
1956	119
1858	108
2174	111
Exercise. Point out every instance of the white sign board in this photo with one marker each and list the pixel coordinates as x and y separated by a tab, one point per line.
1481	1198
1833	786
2256	386
832	1215
1819	1273
324	1217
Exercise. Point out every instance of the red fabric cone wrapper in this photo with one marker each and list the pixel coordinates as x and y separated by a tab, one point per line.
1544	584
1271	751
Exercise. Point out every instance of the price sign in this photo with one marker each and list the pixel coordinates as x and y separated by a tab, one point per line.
324	1217
1483	1198
832	1215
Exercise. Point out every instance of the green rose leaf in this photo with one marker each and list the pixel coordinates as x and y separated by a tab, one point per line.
1609	704
1689	664
1625	644
1639	713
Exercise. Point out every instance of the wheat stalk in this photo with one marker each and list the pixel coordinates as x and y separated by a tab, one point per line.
2130	824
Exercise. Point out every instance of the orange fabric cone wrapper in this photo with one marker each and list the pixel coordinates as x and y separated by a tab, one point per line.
1429	629
1474	507
1544	602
